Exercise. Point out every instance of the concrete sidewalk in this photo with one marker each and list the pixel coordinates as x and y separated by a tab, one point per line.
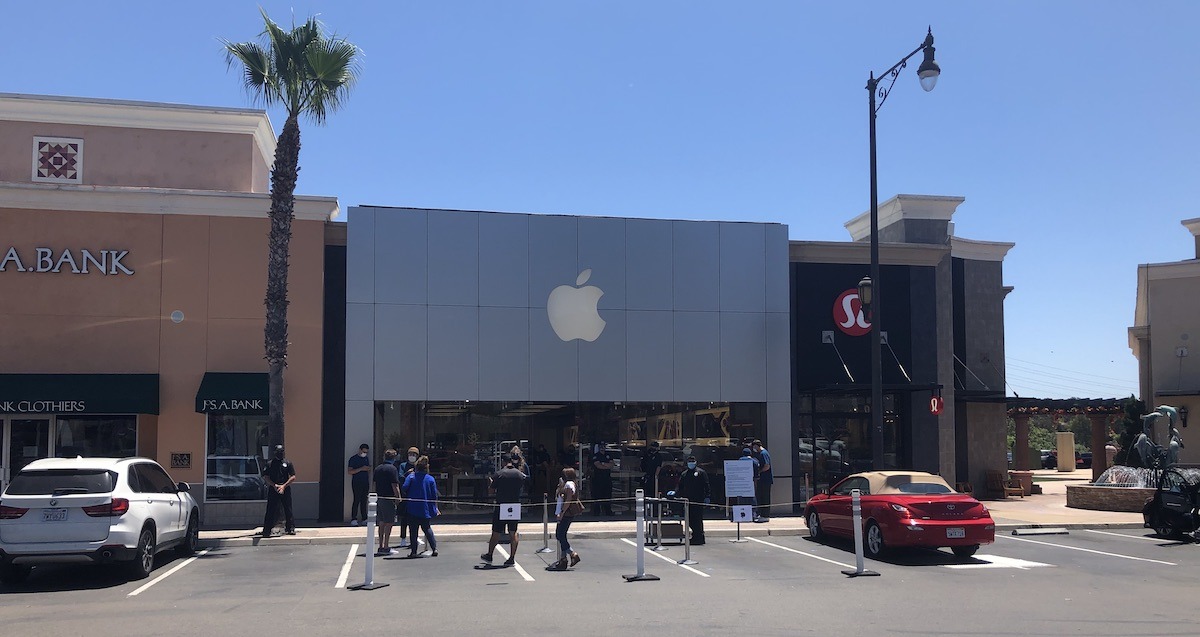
1046	509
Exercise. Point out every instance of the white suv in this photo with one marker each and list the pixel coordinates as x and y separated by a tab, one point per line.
93	510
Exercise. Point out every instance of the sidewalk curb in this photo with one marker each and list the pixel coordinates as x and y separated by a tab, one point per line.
447	535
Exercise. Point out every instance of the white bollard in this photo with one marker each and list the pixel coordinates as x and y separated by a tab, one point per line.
545	526
369	583
640	507
859	571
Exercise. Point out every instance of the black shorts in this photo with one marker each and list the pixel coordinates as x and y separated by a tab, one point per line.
503	526
385	511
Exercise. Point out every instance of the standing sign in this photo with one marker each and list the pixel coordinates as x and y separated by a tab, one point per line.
743	513
510	512
739	479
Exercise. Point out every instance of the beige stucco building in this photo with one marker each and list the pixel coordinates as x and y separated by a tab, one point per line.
132	274
1165	337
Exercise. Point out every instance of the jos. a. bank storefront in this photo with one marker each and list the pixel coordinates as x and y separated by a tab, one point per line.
472	332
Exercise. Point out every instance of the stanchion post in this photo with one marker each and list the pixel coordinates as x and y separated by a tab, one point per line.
369	583
658	504
856	509
545	525
687	541
640	507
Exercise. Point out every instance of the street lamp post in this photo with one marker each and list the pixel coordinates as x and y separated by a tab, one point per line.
928	74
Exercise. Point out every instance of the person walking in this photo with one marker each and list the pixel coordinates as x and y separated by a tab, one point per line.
762	488
404	468
359	468
567	507
693	485
602	466
421	495
279	475
507	485
387	487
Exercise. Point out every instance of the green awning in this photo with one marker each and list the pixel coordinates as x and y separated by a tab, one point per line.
233	393
79	393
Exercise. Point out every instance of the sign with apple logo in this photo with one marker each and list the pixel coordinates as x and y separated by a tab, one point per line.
572	310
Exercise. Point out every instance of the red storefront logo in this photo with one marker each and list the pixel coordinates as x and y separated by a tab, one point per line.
848	314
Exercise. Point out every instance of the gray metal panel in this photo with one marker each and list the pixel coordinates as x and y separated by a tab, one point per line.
648	276
360	255
777	268
697	356
553	255
453	353
503	353
553	364
742	267
779	356
360	351
649	344
779	438
602	250
602	362
453	258
400	352
697	259
504	260
743	363
401	256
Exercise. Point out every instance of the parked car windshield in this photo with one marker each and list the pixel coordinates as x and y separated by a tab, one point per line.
62	482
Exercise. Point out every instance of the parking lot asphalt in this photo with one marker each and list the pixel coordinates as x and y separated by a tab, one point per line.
1100	581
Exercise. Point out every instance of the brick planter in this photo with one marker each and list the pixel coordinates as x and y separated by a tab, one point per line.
1103	498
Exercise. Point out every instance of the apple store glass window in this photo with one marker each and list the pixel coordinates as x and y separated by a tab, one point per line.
235	459
95	436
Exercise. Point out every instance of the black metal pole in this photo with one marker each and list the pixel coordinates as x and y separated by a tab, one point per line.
876	298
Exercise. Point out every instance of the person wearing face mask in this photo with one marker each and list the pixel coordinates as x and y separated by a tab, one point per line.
359	469
279	475
693	485
404	467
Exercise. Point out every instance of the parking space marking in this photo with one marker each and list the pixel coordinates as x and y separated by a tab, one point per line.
1076	548
664	557
516	565
791	550
1130	537
345	574
144	587
996	561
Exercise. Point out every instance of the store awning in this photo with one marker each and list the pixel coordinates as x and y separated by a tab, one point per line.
79	393
233	393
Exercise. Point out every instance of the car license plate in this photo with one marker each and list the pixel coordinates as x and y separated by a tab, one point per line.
956	532
54	515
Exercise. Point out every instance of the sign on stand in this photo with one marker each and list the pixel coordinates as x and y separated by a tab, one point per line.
510	511
743	513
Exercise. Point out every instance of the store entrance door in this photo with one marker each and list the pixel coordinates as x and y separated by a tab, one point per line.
25	440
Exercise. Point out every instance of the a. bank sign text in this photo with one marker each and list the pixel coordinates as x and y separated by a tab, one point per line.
106	262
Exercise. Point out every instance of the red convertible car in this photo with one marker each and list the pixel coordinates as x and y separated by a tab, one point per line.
902	508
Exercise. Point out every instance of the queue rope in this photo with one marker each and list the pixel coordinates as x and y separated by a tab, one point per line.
581	501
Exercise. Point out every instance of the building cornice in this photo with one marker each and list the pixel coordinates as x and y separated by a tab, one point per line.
937	207
975	250
860	252
158	201
1172	270
145	115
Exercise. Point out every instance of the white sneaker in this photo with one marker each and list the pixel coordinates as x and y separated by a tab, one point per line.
404	544
420	542
353	521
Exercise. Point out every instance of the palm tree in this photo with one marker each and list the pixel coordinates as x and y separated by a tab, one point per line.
309	73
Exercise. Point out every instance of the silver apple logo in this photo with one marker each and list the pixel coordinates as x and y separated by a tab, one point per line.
572	310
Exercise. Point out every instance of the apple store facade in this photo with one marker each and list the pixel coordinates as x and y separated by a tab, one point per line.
468	333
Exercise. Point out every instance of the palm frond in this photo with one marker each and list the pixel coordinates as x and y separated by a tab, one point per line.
334	68
257	75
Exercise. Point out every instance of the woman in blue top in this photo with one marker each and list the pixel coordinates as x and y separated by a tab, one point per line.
420	495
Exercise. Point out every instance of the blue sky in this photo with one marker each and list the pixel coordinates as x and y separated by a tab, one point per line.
1066	125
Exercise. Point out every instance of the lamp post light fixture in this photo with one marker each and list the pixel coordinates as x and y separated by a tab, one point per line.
865	295
928	74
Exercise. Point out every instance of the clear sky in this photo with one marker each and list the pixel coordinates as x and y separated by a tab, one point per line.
1068	126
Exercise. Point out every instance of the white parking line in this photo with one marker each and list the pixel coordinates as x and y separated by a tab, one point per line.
345	574
1130	537
1076	548
815	557
664	557
520	569
141	589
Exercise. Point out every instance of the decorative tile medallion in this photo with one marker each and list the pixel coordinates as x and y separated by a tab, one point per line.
58	159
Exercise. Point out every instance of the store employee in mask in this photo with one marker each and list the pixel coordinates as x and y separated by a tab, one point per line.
693	485
279	474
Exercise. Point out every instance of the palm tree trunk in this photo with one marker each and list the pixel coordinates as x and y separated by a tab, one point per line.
283	189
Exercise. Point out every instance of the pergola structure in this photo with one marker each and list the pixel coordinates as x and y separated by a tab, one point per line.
1102	412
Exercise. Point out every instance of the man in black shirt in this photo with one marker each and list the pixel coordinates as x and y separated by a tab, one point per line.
507	484
279	474
693	485
387	487
652	463
602	485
